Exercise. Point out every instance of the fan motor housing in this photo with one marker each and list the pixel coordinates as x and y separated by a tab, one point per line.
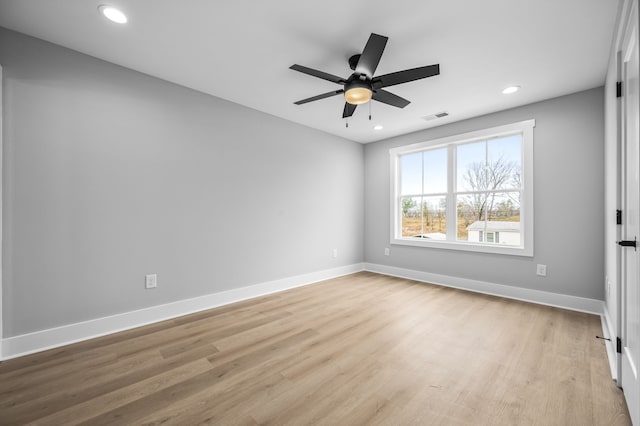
357	81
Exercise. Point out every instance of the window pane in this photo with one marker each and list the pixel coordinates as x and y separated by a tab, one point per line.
499	222
503	218
504	207
435	171
504	162
411	174
470	209
471	171
411	216
434	221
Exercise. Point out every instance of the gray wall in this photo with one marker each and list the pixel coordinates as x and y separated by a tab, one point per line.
110	174
568	197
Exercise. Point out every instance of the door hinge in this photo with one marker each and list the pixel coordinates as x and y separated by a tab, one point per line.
629	243
618	343
619	89
618	217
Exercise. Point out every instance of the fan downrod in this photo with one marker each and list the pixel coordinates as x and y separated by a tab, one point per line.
353	61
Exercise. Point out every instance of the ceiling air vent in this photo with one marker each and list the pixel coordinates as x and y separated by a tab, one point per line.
435	116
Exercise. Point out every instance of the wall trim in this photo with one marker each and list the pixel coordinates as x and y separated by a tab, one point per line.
574	303
1	197
608	333
25	344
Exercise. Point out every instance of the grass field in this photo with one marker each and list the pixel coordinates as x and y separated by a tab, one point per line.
413	225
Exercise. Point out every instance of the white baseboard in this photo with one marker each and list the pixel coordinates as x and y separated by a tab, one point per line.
38	341
574	303
609	333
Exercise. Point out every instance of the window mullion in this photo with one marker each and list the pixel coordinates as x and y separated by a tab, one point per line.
422	197
450	214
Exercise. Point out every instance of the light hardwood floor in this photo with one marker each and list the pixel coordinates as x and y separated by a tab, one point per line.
362	349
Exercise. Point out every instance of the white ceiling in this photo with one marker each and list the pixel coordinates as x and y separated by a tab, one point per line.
241	50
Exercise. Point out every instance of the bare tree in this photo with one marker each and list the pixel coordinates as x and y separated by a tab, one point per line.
516	183
483	178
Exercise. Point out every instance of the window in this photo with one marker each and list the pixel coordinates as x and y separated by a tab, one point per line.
469	192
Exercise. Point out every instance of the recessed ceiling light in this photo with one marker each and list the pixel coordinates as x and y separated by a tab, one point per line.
378	127
112	14
511	89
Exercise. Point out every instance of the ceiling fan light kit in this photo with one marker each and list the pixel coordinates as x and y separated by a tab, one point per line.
357	93
362	86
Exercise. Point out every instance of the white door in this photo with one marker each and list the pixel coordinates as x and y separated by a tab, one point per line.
630	332
1	151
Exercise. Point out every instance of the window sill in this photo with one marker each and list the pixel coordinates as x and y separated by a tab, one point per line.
463	246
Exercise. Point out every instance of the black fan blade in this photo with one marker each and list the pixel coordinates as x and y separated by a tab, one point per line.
349	109
371	55
390	99
405	76
320	74
317	98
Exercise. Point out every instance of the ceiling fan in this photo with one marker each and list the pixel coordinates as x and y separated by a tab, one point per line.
362	86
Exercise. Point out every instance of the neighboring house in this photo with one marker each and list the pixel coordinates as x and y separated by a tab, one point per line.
497	232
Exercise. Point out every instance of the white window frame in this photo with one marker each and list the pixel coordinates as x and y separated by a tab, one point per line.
525	128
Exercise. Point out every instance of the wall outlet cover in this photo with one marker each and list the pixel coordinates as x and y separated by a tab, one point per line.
151	281
541	270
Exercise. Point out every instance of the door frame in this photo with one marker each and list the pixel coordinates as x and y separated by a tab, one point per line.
619	196
1	207
631	16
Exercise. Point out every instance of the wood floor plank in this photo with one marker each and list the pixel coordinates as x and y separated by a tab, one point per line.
361	349
43	404
78	413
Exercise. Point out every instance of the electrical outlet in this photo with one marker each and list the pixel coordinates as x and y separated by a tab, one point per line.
151	281
386	251
541	270
335	253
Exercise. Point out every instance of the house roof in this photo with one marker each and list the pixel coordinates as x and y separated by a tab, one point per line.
494	225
